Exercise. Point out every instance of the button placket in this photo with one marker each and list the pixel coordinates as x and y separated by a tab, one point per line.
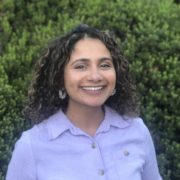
93	145
101	172
101	169
126	153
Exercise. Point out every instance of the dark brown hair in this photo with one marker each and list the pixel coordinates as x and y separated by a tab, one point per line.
48	79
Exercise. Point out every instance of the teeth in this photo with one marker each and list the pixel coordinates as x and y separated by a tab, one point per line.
92	88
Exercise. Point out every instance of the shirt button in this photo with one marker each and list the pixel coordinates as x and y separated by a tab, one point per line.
101	172
126	153
93	145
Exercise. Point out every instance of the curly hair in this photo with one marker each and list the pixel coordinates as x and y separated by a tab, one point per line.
48	79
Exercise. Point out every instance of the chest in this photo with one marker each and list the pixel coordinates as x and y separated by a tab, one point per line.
79	158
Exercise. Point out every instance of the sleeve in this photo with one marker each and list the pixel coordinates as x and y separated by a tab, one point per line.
22	164
150	170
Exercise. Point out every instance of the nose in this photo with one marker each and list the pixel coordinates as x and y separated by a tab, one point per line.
95	75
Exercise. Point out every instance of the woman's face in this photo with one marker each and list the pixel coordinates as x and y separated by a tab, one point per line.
89	76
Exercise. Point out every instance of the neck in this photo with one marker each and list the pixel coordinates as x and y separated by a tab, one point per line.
86	118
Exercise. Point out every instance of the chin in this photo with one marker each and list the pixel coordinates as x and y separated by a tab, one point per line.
95	104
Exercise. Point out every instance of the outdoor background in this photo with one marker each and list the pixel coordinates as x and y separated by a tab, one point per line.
147	30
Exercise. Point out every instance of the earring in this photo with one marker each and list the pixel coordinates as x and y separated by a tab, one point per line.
62	94
113	92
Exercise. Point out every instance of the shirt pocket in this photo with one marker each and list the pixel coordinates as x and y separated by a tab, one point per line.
128	164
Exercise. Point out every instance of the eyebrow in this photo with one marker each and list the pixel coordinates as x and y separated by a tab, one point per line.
87	60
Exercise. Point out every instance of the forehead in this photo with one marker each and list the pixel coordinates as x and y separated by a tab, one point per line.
89	47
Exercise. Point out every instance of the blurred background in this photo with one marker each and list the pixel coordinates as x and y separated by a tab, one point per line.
148	32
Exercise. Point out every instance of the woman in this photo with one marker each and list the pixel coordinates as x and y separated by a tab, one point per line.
85	107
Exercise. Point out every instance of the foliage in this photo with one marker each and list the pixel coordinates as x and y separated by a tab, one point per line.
149	33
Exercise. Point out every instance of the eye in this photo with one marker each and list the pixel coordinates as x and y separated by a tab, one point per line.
80	67
105	65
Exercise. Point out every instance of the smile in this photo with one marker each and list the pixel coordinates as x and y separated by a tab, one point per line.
93	88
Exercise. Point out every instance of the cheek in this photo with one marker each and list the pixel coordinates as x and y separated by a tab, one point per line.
112	78
68	77
71	82
68	82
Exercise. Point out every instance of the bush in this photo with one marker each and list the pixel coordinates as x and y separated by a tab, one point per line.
149	32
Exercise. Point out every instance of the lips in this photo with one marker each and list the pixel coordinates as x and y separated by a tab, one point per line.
92	88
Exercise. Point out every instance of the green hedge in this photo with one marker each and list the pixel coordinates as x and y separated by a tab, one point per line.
149	32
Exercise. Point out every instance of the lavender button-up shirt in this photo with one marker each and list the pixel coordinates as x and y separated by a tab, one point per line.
57	150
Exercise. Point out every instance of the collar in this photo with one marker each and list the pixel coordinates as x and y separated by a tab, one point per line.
58	123
113	119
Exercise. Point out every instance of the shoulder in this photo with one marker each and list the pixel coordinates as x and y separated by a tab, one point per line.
139	124
35	132
48	129
38	131
135	125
